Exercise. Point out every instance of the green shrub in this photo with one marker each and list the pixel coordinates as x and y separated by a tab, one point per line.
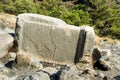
103	15
23	6
1	10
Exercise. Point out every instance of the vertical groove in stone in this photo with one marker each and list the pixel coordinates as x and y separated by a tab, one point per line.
16	38
80	46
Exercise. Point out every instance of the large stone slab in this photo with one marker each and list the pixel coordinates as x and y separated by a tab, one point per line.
6	42
52	39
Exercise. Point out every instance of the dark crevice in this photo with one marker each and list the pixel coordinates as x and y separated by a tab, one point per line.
117	77
98	65
96	55
14	48
80	46
12	34
9	64
55	76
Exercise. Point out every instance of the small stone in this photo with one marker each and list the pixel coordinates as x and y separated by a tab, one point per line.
5	71
11	55
106	53
36	64
100	75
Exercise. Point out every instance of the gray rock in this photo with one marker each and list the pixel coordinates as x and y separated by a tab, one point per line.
96	55
3	77
37	76
100	76
4	70
100	59
117	1
52	39
50	70
6	42
69	73
106	53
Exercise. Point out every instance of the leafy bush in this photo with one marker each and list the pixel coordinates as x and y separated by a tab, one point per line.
24	7
1	7
103	15
106	18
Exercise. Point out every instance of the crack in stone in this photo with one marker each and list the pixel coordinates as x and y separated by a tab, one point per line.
47	48
52	42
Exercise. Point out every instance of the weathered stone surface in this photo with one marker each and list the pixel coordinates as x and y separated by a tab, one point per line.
50	70
6	42
106	53
37	76
52	39
3	77
69	73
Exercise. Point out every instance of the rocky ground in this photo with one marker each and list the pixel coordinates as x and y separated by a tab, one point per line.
114	60
105	64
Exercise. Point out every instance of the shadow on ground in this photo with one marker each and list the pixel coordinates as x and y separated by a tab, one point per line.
117	77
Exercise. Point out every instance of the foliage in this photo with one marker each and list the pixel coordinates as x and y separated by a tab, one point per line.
1	7
76	17
24	7
106	18
103	15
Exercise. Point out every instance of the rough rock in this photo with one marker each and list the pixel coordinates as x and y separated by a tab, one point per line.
96	55
3	77
50	70
106	53
6	42
6	73
100	75
69	73
100	59
37	76
52	39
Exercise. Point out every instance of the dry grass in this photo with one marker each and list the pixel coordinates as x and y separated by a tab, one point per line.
9	19
98	40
